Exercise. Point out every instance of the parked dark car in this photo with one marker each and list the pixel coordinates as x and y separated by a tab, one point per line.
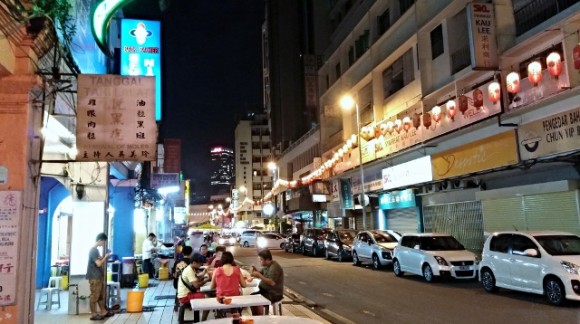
312	241
292	243
338	244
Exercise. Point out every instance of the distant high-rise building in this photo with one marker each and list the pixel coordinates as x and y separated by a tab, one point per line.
222	178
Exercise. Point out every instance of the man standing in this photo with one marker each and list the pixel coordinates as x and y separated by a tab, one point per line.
95	275
272	280
149	247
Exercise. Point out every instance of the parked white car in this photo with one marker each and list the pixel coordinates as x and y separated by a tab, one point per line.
375	247
271	241
249	237
543	262
432	255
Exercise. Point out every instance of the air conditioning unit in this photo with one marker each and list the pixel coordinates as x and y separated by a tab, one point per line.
459	184
435	187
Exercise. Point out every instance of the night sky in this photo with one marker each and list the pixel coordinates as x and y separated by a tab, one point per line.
212	74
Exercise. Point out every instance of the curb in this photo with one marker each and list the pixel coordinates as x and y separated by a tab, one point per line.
314	307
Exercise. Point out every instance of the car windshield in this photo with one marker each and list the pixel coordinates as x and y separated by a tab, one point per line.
440	243
384	238
346	236
560	244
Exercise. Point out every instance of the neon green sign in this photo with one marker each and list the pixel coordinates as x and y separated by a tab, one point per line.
100	18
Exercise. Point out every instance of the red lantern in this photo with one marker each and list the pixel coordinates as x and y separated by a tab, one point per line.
494	92
554	63
416	120
383	129
436	113
390	127
462	101
477	98
427	120
406	123
451	109
576	56
512	81
535	72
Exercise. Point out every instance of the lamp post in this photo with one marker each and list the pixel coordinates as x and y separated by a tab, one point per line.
347	102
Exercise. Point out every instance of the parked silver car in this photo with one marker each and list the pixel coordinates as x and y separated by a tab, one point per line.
338	244
375	247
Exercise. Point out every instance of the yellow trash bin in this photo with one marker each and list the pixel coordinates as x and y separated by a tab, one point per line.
64	283
163	273
109	276
144	280
135	301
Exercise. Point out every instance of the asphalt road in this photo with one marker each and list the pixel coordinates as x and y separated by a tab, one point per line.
363	295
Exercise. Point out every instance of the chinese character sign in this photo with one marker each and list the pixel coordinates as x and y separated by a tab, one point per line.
10	202
116	118
481	23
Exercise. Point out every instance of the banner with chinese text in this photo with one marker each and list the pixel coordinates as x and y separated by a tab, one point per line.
116	118
10	207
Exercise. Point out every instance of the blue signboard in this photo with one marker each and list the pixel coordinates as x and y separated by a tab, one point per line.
397	199
141	53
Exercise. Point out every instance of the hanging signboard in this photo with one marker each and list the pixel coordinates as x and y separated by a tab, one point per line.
346	194
116	118
10	208
552	135
481	24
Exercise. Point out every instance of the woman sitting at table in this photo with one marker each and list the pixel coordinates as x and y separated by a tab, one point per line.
227	279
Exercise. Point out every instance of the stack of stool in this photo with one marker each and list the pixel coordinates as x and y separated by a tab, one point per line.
113	293
53	287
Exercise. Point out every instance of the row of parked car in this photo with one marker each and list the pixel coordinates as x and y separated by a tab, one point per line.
541	262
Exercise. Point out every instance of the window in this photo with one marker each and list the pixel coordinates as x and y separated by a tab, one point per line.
398	75
405	5
351	58
383	22
436	42
522	243
500	243
337	70
362	44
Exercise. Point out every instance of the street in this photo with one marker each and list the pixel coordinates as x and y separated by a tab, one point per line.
363	295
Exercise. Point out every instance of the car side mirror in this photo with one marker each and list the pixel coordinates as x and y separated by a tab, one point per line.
417	247
531	252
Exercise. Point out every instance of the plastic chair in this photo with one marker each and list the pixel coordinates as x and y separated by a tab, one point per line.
276	308
53	287
113	293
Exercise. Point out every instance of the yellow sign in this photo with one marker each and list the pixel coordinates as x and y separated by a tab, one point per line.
492	152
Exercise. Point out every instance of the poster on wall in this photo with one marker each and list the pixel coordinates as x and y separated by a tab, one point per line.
116	118
10	207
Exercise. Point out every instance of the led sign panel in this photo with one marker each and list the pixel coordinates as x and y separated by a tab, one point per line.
141	53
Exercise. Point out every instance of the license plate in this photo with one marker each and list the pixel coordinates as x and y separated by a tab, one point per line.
463	268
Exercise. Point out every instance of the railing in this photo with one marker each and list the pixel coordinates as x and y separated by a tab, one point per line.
538	11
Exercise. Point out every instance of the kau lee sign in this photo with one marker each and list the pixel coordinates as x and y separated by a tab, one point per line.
116	118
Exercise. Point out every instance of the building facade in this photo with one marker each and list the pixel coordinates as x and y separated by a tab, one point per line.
222	161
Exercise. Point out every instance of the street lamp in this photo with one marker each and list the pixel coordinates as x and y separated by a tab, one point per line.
347	102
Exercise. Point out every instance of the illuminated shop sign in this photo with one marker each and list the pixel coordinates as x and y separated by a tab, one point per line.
100	18
141	53
397	199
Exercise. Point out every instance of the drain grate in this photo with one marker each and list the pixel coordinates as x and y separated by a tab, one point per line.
164	297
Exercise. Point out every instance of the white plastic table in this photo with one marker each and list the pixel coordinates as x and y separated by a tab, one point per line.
268	320
237	302
207	287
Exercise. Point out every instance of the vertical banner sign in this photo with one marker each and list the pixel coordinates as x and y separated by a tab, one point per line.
141	53
10	206
481	23
116	118
346	194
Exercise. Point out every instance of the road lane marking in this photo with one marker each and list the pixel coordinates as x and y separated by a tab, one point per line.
302	283
369	313
327	294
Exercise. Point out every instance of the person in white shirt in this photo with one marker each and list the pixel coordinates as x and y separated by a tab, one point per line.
149	247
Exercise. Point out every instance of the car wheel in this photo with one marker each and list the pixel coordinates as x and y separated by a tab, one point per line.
428	273
488	280
246	244
397	268
339	255
314	251
376	262
326	255
283	246
355	260
303	250
554	291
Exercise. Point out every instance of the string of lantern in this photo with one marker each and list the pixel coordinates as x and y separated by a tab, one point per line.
553	63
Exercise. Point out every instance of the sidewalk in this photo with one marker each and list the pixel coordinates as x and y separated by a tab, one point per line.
157	308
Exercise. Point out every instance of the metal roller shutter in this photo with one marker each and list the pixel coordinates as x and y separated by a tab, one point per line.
403	220
503	214
462	220
554	211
